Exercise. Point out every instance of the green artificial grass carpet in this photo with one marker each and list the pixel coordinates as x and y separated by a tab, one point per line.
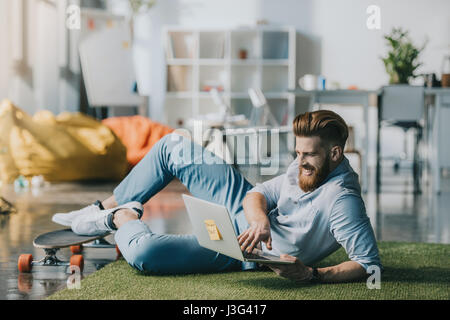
412	271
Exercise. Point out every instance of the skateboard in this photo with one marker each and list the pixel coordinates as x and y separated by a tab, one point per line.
51	242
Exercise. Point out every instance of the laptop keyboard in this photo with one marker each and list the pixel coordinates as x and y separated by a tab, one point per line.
261	255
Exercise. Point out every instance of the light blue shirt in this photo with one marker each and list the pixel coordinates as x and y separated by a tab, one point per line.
312	225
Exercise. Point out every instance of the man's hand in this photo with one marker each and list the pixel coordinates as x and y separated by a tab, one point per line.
344	272
258	231
297	271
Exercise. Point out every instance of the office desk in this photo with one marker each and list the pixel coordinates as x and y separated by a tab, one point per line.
347	97
441	99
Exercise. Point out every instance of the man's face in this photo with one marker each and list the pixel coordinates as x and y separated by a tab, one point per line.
314	162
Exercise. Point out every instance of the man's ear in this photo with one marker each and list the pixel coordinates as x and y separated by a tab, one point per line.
336	153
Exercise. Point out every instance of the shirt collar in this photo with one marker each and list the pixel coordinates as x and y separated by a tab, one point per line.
342	167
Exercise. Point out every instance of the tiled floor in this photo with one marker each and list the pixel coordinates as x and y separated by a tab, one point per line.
396	215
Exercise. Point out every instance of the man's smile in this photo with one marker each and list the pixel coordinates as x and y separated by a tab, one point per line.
307	171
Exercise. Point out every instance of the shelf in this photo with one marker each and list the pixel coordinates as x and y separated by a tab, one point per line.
247	40
275	78
275	62
264	62
180	62
232	95
275	45
180	78
212	45
234	60
212	76
207	95
268	95
181	45
220	62
212	62
180	95
249	62
244	77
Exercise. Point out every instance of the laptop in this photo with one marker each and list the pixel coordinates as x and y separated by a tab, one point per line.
214	230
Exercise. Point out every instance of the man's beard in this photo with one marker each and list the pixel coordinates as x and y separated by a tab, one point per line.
312	182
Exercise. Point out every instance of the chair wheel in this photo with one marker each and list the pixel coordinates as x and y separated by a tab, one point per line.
25	262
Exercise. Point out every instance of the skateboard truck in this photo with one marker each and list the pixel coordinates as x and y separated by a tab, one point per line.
26	262
50	259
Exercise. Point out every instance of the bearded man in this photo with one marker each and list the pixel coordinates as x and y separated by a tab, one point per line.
303	215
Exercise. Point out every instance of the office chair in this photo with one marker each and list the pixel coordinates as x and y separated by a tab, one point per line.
402	106
261	114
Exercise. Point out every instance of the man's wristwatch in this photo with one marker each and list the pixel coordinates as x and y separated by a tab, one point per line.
315	276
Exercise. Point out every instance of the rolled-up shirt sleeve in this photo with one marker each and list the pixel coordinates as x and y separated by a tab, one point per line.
270	190
350	226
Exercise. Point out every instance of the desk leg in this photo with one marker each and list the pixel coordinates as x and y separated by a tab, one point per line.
365	169
437	143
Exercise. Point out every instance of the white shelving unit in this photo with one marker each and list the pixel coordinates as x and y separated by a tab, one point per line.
198	59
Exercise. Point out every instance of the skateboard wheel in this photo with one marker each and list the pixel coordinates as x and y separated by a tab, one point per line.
25	263
119	254
25	282
76	249
77	260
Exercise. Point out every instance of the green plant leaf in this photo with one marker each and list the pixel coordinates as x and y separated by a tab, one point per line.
401	60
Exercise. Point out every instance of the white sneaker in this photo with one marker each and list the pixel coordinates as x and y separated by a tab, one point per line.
66	219
102	221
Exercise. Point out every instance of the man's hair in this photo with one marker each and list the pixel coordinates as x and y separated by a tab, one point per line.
326	124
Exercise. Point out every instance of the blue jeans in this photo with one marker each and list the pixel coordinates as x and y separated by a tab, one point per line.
207	177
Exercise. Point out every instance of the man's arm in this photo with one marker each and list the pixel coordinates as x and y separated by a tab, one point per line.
351	228
344	272
257	203
255	210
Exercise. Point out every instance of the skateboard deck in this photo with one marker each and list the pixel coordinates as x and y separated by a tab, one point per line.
52	241
63	238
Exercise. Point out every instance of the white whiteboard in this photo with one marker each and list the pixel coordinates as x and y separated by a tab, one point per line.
107	60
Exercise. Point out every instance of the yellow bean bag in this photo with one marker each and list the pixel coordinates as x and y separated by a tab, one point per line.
68	147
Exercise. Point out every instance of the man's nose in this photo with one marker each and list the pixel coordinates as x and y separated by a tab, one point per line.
301	159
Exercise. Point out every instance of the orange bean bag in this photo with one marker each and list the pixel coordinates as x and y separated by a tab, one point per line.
137	133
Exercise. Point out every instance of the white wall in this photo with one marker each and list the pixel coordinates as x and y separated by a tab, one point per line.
36	81
4	54
351	52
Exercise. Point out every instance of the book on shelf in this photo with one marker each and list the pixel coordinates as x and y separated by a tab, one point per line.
176	78
169	47
220	49
181	46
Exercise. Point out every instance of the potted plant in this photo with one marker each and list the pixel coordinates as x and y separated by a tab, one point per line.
139	7
401	61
